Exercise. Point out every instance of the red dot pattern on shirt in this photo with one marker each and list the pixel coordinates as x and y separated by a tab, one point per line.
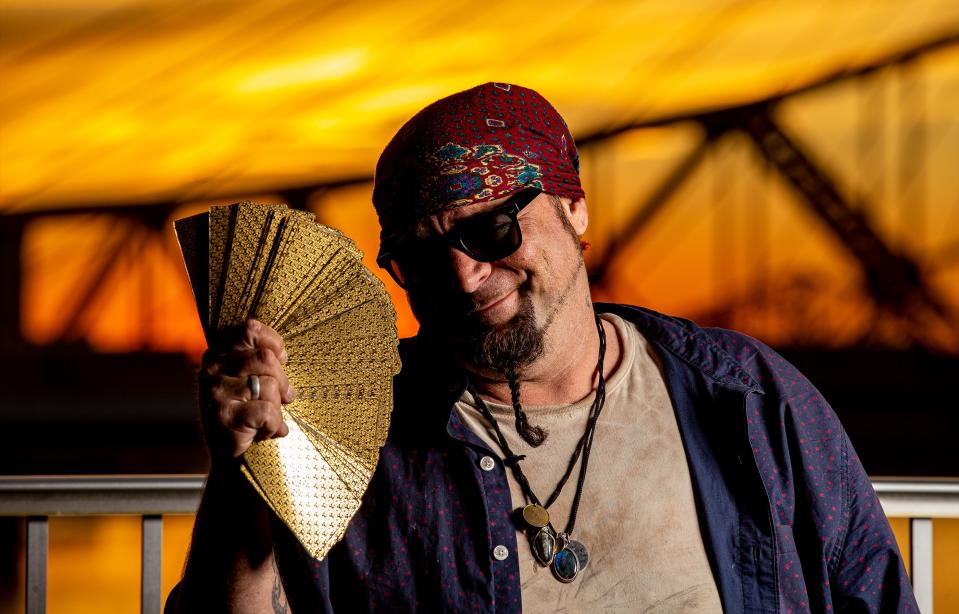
821	497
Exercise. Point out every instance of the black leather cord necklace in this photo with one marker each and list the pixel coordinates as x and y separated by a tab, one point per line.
564	555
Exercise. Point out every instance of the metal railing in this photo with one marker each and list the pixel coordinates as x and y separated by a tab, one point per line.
920	501
152	497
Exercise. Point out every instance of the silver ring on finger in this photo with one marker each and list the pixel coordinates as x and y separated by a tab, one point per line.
254	383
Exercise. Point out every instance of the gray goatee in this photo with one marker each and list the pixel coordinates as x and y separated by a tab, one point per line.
506	351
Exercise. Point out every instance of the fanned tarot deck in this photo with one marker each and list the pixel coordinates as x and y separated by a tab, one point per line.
307	281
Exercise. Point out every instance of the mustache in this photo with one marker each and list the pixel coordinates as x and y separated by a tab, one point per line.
477	301
447	310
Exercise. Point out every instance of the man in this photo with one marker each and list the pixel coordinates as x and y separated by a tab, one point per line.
545	453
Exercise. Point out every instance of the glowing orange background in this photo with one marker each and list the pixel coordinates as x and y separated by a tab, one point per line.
116	102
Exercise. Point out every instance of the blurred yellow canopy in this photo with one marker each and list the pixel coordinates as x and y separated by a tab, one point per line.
126	101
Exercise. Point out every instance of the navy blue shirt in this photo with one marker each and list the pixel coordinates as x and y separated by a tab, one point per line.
789	518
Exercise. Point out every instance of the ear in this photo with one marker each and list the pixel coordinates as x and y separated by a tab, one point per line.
577	214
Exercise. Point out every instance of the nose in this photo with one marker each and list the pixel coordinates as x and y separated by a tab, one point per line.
469	273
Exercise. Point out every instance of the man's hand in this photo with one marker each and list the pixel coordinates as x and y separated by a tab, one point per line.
232	418
231	565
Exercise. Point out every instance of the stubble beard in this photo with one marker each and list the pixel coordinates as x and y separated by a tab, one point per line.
509	348
501	348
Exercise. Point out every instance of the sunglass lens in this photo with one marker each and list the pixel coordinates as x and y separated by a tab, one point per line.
492	238
409	265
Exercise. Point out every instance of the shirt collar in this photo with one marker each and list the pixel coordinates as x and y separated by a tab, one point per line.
688	342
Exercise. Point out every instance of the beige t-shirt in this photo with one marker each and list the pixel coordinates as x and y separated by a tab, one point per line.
637	516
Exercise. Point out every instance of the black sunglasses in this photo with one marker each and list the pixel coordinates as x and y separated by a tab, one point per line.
484	237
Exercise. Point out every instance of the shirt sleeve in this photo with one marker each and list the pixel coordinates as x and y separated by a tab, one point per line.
820	492
868	572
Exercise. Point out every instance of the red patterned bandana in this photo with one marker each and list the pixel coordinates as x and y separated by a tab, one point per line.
472	147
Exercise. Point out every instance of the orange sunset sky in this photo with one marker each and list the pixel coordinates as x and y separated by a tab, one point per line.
120	102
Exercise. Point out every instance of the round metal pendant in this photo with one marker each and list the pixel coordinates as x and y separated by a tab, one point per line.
565	565
582	555
536	515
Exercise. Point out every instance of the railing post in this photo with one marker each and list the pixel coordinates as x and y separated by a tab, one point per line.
151	559
920	537
37	540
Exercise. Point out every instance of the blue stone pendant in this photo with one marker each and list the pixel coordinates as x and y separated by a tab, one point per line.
571	558
565	565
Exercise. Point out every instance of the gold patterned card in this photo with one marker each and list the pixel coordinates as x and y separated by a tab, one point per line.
307	282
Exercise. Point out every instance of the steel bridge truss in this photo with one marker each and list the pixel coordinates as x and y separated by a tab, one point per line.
893	280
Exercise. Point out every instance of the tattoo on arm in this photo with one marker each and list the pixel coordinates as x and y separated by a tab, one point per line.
280	603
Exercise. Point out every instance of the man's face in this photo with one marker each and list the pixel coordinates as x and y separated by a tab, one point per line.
495	314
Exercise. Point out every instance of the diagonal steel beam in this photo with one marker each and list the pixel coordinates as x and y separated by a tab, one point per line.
70	331
648	209
893	278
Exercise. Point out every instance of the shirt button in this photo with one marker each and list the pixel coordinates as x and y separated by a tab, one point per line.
500	553
487	463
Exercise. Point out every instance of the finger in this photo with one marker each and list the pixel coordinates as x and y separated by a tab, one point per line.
264	418
254	361
261	362
251	335
255	421
269	390
256	334
264	363
273	430
229	390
